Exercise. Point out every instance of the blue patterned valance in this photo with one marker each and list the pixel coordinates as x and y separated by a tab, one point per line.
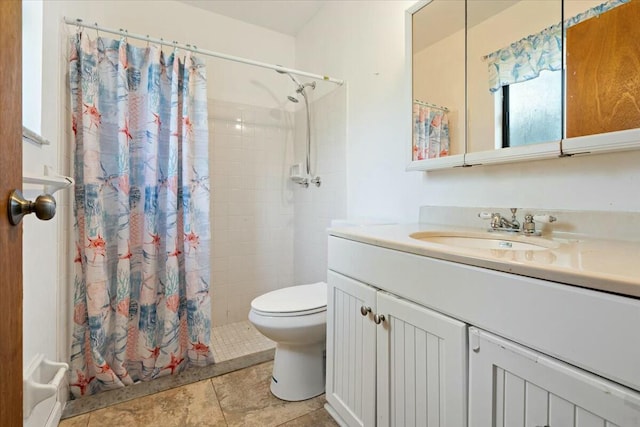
525	59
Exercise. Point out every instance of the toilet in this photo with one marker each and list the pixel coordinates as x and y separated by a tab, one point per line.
296	319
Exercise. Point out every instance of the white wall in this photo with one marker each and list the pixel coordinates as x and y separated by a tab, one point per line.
363	42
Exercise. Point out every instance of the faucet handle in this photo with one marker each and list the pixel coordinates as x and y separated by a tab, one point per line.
544	218
485	215
529	226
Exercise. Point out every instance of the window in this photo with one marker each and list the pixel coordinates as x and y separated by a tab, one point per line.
532	110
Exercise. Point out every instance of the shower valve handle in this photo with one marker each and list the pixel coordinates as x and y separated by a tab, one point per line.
317	181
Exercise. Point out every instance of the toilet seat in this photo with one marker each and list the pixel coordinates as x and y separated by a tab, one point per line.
299	300
289	314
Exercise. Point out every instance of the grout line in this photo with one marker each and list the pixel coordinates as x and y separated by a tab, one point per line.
215	392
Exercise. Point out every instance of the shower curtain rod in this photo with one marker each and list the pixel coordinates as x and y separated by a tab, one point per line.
124	33
428	104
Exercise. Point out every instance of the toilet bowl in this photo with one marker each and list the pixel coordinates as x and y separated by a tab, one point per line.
296	319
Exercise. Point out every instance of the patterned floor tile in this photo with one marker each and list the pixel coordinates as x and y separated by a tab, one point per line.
317	418
191	405
246	400
79	421
238	339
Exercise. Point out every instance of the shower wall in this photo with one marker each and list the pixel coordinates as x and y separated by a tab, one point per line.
252	209
315	207
267	232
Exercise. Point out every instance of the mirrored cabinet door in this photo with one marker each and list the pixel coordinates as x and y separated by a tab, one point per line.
514	73
499	81
603	66
602	76
438	75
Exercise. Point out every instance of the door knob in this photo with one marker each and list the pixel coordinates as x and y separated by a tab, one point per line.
44	207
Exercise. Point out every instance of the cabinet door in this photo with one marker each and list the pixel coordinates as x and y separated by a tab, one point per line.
512	386
351	347
422	366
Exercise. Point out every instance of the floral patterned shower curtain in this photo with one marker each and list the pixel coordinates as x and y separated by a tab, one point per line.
430	132
141	211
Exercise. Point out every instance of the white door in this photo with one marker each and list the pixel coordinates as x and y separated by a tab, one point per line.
422	366
512	386
351	350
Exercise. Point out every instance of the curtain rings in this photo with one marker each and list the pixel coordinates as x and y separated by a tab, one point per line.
125	35
95	24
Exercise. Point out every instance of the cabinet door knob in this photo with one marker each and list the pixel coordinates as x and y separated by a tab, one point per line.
365	310
378	318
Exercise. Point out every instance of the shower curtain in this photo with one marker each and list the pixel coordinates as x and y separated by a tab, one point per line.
430	132
141	214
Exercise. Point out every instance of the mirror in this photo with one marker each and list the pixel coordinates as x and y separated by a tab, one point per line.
438	92
603	66
514	73
593	112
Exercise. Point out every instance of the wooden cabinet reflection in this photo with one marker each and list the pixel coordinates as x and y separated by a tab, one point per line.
603	72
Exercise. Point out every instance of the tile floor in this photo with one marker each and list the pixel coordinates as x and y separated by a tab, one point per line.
238	339
235	346
240	398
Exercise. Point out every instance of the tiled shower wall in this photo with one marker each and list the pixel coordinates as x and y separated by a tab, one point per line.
252	208
315	207
267	232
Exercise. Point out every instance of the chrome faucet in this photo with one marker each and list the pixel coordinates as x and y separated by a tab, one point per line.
498	222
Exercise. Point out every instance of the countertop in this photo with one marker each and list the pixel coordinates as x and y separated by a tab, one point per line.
594	263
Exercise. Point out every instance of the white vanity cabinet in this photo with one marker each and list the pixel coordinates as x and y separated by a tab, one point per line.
407	370
467	346
512	386
351	350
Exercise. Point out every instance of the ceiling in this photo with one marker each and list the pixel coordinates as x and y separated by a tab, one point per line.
440	19
284	16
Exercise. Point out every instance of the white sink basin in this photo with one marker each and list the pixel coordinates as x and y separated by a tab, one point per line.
485	241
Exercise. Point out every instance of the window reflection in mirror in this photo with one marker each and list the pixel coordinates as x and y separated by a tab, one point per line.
438	43
532	110
500	35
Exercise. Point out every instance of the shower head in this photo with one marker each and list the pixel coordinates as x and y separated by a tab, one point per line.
293	99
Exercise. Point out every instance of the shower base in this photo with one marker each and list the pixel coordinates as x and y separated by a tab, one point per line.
237	340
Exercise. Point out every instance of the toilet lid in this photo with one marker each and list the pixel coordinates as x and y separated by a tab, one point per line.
293	299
